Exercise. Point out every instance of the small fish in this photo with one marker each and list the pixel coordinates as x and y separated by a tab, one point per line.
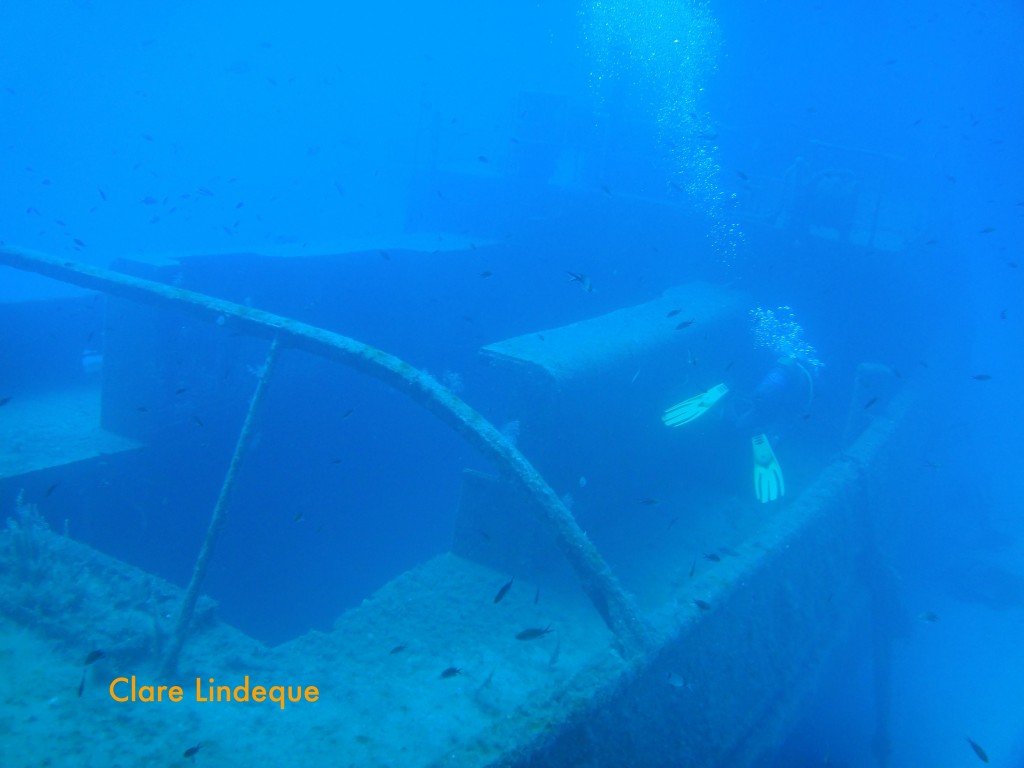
533	633
190	753
870	402
451	672
92	658
149	200
536	595
397	649
977	749
197	420
4	401
556	652
487	682
742	175
486	273
713	557
693	567
347	413
50	490
929	616
684	324
481	158
1002	315
103	195
648	501
298	517
704	605
79	243
986	231
582	279
982	377
504	590
673	312
181	390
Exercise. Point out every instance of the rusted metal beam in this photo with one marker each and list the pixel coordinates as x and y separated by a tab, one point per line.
183	625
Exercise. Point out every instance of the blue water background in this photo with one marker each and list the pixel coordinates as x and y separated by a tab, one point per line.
202	128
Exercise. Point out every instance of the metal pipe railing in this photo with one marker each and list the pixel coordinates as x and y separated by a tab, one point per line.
615	606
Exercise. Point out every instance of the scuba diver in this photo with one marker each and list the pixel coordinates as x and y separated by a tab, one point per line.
785	392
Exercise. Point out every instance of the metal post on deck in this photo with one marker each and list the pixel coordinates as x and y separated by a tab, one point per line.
188	603
614	605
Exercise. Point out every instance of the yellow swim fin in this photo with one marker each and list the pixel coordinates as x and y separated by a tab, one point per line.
769	484
688	410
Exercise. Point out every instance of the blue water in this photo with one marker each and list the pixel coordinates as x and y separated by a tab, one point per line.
638	144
